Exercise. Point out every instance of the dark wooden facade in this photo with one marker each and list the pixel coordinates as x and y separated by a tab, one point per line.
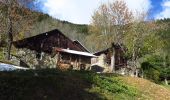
46	41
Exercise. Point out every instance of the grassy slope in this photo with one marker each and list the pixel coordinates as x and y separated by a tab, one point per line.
166	86
148	89
76	85
57	85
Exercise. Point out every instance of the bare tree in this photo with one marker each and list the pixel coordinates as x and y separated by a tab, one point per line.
109	21
17	18
120	17
109	25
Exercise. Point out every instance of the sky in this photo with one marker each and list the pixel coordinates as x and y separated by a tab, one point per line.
80	11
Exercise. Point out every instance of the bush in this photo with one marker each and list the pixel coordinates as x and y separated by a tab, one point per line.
110	83
150	72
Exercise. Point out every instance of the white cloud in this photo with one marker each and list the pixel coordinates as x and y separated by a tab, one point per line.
139	5
80	11
166	3
75	11
165	13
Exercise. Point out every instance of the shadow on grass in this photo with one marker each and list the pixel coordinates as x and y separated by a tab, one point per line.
49	84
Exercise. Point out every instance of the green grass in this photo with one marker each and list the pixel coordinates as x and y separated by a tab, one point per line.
147	89
1	54
52	84
166	86
7	62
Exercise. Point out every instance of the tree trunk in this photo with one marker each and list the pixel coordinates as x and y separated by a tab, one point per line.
142	73
164	64
136	73
113	60
9	50
166	82
113	64
10	39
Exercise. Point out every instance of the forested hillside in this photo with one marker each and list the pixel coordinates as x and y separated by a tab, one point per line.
46	23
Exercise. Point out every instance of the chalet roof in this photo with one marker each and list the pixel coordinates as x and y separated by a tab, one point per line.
46	41
78	43
102	51
75	52
116	46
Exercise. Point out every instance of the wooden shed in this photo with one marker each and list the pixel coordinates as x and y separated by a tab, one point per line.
112	59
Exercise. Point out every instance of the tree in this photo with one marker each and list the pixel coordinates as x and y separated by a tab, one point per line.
16	17
142	40
164	33
113	22
108	23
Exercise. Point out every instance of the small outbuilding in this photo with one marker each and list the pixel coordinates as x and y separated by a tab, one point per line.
111	59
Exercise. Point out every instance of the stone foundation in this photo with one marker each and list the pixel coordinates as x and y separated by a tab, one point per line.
34	60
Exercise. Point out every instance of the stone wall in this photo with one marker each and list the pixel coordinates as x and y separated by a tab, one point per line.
36	61
100	64
43	60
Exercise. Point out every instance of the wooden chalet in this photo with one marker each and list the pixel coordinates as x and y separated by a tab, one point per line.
60	48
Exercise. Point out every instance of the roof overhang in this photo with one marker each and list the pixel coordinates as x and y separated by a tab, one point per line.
75	52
